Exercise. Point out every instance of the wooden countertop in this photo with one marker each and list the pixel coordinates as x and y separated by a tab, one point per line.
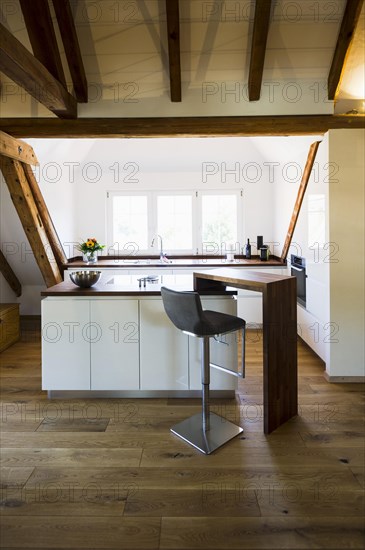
238	278
141	263
67	288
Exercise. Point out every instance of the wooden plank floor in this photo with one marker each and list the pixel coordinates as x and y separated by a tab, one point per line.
109	474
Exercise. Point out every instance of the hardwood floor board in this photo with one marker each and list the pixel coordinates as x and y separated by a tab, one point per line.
83	440
349	388
234	457
81	532
156	425
70	458
18	426
207	501
338	399
74	425
51	410
62	500
14	477
350	438
16	371
182	477
330	412
261	533
324	500
359	474
15	394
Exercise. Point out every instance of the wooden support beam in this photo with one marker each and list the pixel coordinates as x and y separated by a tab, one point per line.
39	24
23	200
346	34
47	222
258	48
9	275
70	41
173	34
179	126
301	192
16	149
29	73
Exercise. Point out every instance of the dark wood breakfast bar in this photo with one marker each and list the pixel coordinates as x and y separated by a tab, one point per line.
279	304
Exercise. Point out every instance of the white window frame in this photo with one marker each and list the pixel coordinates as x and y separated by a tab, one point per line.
197	221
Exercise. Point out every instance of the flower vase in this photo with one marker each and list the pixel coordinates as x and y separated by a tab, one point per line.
90	257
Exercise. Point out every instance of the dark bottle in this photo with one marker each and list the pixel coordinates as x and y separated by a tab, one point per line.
248	250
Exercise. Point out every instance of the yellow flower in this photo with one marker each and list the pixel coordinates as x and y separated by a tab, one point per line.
90	243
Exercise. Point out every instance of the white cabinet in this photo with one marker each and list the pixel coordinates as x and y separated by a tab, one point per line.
65	344
114	340
90	344
164	349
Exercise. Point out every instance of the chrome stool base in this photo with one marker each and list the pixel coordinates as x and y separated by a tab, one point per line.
221	431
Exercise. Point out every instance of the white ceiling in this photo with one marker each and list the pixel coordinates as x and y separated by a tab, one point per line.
124	48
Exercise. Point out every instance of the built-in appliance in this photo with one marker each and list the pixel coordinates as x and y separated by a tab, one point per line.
298	270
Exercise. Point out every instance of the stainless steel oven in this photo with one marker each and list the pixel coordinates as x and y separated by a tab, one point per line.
298	270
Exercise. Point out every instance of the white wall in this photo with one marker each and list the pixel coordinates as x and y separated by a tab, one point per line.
75	175
347	231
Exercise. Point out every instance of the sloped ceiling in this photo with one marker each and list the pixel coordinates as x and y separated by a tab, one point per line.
125	54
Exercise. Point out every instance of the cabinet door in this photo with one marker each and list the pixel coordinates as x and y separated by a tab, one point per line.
223	351
65	345
114	344
164	350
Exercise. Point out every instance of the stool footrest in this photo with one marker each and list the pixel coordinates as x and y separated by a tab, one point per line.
221	431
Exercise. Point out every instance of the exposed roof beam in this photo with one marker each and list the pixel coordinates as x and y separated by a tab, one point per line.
346	34
45	217
173	34
9	275
258	48
179	126
29	73
300	196
16	149
70	41
38	20
28	213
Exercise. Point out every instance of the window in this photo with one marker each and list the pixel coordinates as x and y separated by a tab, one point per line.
219	218
175	221
188	221
130	220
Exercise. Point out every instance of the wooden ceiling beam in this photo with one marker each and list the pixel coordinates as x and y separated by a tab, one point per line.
29	216
300	196
16	149
39	24
46	219
9	275
258	48
349	22
178	126
29	73
71	44
173	34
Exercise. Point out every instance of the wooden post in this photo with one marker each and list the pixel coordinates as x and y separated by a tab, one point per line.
49	227
16	149
31	220
301	192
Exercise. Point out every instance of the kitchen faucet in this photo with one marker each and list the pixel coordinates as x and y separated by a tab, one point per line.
162	255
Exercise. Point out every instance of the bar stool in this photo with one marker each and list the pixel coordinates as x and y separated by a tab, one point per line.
206	431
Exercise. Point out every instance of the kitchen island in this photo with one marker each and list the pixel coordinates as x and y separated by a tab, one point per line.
115	340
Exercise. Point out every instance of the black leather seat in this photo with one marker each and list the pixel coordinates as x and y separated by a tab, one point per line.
207	431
